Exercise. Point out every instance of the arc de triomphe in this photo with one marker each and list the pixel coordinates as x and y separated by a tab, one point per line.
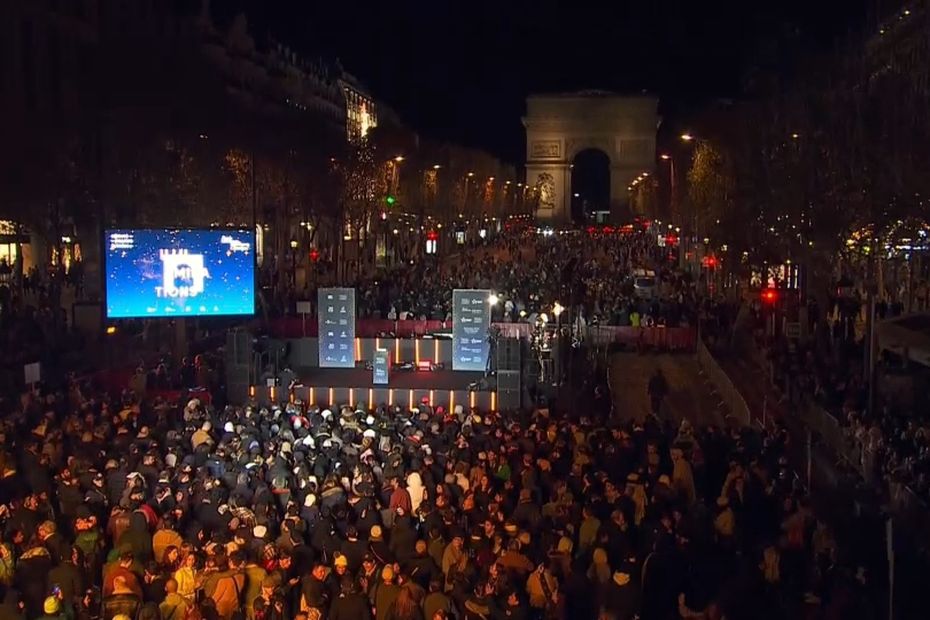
558	127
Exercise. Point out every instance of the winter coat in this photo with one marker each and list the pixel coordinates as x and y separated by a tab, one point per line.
350	607
416	490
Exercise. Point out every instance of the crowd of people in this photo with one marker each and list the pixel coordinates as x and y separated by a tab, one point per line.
128	508
530	272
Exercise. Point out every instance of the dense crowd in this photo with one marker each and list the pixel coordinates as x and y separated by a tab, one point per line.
529	272
138	509
890	446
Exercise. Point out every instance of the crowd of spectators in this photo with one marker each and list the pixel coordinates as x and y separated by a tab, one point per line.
139	509
530	272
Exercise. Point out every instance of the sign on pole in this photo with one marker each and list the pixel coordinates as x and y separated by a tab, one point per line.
32	373
336	318
381	367
471	319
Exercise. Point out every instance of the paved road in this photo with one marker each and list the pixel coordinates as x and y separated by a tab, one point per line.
689	394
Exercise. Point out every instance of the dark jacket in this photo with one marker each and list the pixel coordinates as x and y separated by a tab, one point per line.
116	604
350	607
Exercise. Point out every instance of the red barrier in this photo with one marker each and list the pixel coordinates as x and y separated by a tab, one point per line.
666	338
294	327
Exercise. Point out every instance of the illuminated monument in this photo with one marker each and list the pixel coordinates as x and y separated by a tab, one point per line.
558	127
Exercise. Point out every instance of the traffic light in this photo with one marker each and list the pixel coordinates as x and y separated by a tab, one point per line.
769	296
314	255
390	200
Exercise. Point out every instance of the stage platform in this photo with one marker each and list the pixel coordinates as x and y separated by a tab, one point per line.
334	387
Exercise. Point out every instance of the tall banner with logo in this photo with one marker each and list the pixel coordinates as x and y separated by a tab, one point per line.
471	319
336	317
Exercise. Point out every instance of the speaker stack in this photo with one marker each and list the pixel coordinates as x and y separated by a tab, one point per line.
238	366
508	373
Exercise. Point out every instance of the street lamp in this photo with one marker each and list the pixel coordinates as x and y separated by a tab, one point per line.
665	156
493	299
687	137
399	158
436	166
557	309
293	264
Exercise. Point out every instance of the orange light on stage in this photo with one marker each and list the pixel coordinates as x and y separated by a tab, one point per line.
351	397
397	350
416	351
358	349
471	400
410	399
391	397
493	401
312	397
436	351
331	400
292	397
377	344
432	399
451	400
251	391
271	394
371	397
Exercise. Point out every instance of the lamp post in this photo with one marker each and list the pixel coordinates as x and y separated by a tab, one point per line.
294	265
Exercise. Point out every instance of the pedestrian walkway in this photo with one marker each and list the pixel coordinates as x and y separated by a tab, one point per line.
689	397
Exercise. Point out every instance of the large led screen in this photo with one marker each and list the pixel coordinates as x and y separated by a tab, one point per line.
200	272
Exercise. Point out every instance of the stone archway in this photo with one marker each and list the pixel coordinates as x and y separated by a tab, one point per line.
558	127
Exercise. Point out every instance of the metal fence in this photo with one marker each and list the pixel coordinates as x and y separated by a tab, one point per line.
838	439
722	383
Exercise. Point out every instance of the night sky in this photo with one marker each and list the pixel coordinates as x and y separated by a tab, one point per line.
461	70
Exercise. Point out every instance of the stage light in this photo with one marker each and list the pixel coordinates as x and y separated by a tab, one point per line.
332	401
432	399
436	350
351	397
111	329
416	352
371	400
251	391
544	317
312	402
557	309
493	401
397	350
451	400
493	299
471	400
391	397
409	399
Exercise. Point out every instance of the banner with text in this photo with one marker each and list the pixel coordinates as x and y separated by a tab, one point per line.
381	367
471	318
337	327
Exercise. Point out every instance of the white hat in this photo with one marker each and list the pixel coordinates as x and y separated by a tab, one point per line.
193	403
206	426
171	459
326	413
297	423
308	441
458	410
370	420
369	432
228	427
259	531
310	500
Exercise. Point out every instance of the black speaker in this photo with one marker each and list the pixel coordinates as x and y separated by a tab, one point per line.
238	366
508	389
508	354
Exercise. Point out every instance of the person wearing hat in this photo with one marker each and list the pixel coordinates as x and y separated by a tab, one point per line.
385	594
52	609
378	547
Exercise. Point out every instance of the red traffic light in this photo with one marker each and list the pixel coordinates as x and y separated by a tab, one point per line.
710	261
769	295
314	255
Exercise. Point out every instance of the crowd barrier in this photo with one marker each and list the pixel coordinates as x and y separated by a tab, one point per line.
731	397
838	439
666	338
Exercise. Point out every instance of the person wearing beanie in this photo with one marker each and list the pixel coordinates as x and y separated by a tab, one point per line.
52	609
421	567
385	594
378	547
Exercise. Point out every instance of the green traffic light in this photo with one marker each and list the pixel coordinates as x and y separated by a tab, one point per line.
390	200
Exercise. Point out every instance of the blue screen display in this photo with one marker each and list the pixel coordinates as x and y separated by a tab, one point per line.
156	273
